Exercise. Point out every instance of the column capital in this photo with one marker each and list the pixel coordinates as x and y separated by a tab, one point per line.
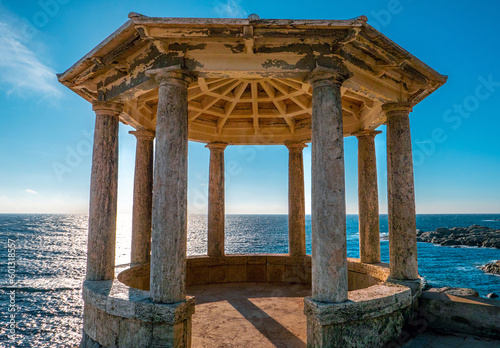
366	133
173	75
295	145
107	108
145	134
321	76
217	145
397	108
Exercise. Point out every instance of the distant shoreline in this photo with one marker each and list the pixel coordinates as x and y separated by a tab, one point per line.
473	236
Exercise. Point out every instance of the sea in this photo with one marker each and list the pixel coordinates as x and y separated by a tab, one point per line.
42	273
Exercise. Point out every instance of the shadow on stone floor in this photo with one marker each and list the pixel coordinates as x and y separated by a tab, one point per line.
249	315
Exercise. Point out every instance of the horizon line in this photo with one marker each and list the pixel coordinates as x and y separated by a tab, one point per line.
130	213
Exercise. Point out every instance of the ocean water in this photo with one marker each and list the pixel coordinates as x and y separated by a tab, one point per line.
50	258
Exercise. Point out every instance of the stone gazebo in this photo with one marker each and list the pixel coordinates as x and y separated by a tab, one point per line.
239	82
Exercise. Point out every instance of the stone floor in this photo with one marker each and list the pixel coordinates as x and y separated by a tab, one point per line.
270	315
249	315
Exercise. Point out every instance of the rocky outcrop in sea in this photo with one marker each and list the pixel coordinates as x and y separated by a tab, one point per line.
475	235
492	267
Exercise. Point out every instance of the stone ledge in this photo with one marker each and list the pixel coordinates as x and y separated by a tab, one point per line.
117	299
282	268
363	304
379	270
471	315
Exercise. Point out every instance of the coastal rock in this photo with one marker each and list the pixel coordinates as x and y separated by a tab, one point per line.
492	267
449	242
475	235
456	291
492	295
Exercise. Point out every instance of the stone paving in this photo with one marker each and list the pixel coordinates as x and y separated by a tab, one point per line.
249	315
267	315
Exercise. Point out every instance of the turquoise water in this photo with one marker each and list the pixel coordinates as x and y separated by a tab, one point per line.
51	255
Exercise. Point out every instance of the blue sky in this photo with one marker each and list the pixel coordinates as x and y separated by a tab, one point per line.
45	138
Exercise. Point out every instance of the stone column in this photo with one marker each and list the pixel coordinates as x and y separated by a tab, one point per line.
296	200
103	193
216	198
401	194
369	228
169	233
329	254
143	198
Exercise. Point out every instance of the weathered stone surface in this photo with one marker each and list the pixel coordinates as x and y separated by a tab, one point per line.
110	331
275	273
217	274
474	235
216	199
296	200
268	51
371	333
369	229
116	299
371	317
401	192
471	315
169	234
294	274
236	273
329	253
103	193
455	291
256	273
88	342
143	198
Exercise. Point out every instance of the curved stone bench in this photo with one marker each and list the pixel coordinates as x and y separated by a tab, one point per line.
121	313
121	316
271	268
371	317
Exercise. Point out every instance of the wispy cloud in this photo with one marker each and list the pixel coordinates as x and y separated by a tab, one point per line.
21	71
33	192
230	9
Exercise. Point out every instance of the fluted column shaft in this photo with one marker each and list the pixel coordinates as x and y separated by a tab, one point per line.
329	254
369	228
296	200
143	198
169	230
103	193
401	193
216	200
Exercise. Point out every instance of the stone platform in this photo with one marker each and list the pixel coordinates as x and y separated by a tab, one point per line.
249	315
271	315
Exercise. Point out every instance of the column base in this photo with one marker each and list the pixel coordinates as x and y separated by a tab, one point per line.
371	318
118	316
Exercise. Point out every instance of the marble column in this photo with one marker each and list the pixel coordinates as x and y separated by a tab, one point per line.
296	200
216	198
369	228
169	230
103	193
329	254
143	198
401	192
